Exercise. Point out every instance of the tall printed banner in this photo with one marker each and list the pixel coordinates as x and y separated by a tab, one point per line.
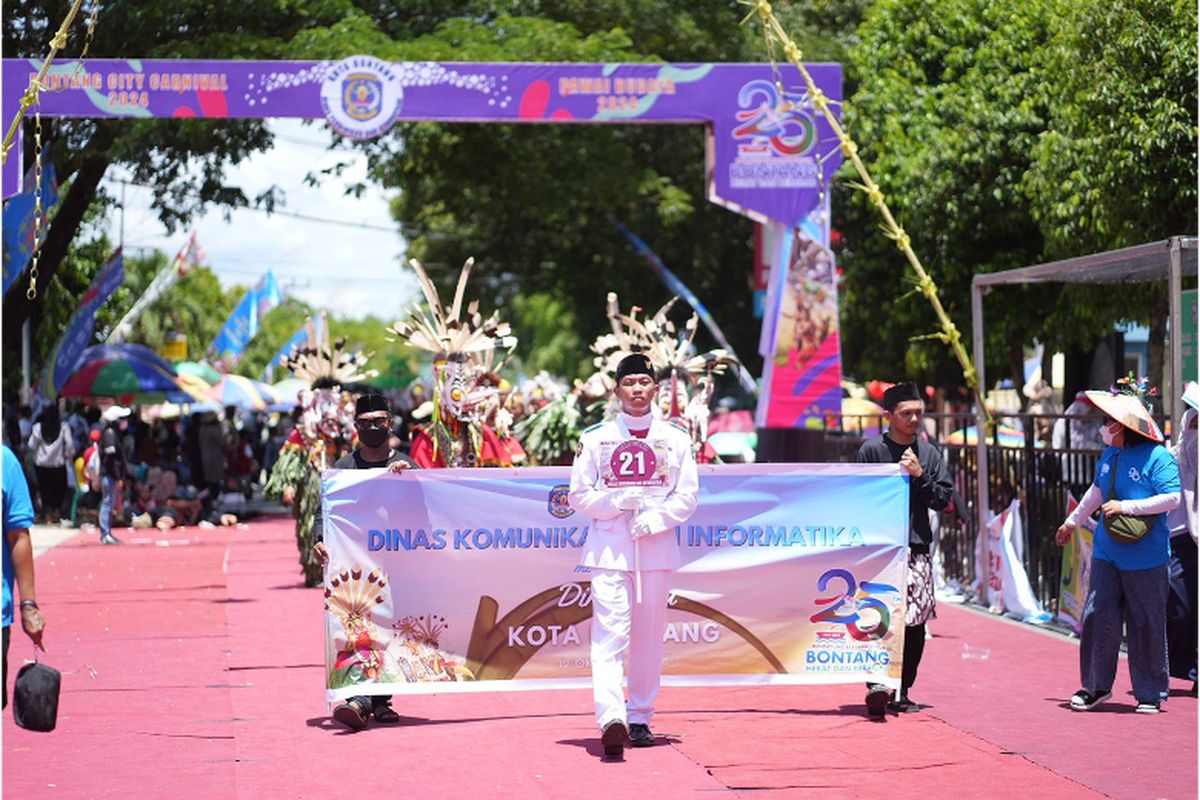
1076	571
468	580
242	324
77	336
802	368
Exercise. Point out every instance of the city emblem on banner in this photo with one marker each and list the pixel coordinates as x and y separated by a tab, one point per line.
361	96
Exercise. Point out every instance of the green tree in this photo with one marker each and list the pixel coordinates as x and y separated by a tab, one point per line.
548	338
958	106
195	306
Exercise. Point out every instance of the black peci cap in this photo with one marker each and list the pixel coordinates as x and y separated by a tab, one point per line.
373	401
900	393
635	364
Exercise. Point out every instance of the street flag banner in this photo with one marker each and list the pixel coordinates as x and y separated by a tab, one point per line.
298	339
77	336
1007	589
187	257
469	580
1076	571
680	288
18	224
243	323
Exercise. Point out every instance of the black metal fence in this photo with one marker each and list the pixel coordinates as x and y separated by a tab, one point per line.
1023	466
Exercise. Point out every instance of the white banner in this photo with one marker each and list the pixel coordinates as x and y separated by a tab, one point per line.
468	580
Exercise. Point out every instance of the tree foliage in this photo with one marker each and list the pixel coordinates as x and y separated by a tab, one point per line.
968	113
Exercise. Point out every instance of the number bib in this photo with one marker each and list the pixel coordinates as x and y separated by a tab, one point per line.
634	463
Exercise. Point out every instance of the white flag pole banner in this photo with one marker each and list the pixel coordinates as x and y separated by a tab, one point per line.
1008	588
468	580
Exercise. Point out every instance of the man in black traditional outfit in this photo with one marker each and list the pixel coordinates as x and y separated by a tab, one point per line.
929	490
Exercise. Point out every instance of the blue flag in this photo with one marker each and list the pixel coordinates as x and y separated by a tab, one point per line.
77	335
18	225
243	323
299	338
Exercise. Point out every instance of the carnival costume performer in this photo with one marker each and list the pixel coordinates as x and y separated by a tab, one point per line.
324	432
464	349
635	477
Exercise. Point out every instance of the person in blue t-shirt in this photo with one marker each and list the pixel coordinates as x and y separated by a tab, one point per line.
1136	475
18	558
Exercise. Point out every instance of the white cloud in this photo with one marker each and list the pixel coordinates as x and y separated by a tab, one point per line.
343	268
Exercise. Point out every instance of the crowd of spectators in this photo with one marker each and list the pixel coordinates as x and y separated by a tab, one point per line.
199	469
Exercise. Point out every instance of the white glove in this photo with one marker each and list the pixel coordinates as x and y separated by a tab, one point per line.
639	529
630	499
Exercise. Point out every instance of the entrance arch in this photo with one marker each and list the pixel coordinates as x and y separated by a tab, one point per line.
765	157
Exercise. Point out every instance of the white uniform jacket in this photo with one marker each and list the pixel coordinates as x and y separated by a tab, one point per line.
609	544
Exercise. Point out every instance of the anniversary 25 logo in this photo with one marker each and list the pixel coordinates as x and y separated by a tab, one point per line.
858	608
361	96
773	123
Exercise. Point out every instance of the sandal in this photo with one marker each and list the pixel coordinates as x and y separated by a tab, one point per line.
386	714
352	714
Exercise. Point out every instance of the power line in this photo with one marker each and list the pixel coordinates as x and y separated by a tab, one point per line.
296	214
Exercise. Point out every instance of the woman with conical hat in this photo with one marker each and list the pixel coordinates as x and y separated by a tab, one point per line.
1135	477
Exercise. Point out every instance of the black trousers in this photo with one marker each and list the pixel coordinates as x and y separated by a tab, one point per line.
4	688
1181	608
914	648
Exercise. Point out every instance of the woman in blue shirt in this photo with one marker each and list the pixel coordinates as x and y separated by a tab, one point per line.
1135	475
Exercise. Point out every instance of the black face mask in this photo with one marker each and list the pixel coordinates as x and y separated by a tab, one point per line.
372	437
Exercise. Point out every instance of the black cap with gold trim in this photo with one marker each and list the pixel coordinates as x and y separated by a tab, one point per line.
635	364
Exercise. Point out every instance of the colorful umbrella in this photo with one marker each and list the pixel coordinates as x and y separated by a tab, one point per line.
1006	436
128	372
197	387
288	389
861	416
199	370
236	390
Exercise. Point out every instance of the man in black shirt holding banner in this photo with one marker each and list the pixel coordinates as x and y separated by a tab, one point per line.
929	490
373	420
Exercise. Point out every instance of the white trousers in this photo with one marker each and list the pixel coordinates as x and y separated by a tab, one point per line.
622	628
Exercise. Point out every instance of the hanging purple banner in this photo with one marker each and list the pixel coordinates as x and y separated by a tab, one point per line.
765	147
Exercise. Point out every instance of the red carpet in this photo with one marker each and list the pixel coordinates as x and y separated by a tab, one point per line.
193	671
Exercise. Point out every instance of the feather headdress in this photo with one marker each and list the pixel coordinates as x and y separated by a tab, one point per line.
447	332
319	364
656	336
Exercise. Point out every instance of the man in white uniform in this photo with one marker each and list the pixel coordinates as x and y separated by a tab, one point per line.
636	478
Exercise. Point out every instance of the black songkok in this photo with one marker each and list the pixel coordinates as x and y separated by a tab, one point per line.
636	364
371	402
900	393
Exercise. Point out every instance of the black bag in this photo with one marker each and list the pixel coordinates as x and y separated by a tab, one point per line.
35	697
1126	528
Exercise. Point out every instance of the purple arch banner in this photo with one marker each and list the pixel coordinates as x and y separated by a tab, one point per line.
763	147
769	156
